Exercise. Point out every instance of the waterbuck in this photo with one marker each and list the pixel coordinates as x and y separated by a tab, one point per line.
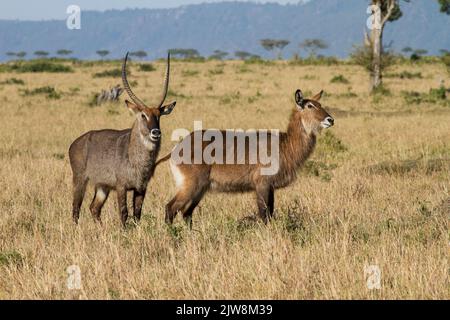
121	160
293	148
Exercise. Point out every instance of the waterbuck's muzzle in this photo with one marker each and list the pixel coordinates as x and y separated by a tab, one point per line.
328	122
155	134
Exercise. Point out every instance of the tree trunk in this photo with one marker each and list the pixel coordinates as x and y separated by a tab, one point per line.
376	47
377	50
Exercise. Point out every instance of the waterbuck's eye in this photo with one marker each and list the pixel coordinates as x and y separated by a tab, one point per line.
310	106
143	116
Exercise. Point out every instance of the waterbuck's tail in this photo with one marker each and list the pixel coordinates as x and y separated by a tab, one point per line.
163	159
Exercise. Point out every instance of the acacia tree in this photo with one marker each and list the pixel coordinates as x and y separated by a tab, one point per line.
272	44
102	53
21	54
280	45
313	45
141	54
63	52
384	11
218	55
185	53
445	6
243	55
407	50
41	53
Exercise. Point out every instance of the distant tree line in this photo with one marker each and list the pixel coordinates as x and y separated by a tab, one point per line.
64	53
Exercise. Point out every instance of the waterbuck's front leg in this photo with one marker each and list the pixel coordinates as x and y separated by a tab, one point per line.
138	200
101	194
265	198
122	202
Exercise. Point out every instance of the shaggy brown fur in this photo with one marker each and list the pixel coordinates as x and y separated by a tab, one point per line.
118	160
295	146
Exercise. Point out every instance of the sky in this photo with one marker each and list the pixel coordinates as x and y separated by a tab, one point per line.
56	9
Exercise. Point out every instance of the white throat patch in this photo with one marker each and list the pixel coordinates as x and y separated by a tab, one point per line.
307	127
146	140
148	143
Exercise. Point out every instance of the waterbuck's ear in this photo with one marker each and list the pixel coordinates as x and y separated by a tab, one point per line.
167	109
318	96
132	107
299	100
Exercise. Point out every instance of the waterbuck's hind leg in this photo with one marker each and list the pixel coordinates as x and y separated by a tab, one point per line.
100	197
171	209
79	189
182	203
187	215
122	202
185	201
265	197
138	200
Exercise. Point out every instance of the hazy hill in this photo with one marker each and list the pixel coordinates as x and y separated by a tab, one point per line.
228	26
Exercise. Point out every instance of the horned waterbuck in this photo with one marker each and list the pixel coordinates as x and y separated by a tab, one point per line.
293	148
119	160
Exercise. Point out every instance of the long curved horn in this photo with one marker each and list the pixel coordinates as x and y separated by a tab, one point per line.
126	85
166	82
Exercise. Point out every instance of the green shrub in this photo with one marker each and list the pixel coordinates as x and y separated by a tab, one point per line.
348	94
59	156
438	95
363	56
215	71
446	61
147	67
316	61
309	77
254	98
415	57
229	98
190	73
339	79
174	94
114	73
259	61
93	100
381	91
329	144
319	169
35	66
50	92
402	167
243	69
10	258
13	81
74	90
405	75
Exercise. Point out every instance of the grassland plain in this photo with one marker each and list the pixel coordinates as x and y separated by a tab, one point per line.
375	192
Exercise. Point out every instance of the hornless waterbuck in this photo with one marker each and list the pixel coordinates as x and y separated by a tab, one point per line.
293	147
121	160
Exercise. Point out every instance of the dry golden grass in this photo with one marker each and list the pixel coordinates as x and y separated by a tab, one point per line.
383	201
